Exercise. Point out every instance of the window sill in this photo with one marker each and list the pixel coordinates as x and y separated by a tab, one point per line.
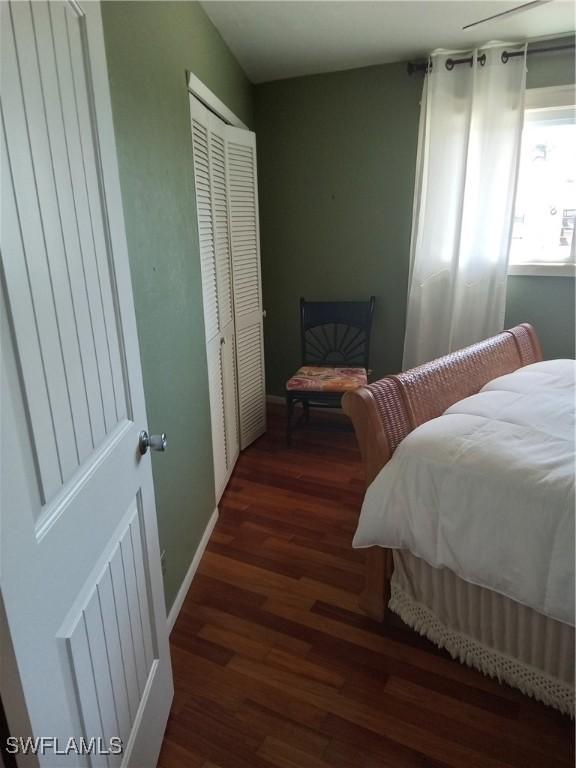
542	270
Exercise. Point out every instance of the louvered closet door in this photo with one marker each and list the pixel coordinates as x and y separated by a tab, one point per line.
247	291
214	242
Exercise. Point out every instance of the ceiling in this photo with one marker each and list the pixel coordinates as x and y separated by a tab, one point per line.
276	39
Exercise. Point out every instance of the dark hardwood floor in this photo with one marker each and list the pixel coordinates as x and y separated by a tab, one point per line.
275	665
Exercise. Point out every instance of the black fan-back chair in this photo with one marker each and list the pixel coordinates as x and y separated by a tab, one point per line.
335	339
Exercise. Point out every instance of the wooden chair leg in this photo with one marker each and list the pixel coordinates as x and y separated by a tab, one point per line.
289	413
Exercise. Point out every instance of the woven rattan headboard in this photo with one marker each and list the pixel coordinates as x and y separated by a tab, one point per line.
383	413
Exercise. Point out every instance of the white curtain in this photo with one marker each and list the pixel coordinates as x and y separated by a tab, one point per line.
468	155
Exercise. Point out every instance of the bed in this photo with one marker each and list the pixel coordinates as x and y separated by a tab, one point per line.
525	641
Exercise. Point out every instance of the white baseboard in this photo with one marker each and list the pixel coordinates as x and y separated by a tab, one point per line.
185	586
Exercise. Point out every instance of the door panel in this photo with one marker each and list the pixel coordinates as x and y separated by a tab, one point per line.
245	250
64	156
81	580
78	362
93	639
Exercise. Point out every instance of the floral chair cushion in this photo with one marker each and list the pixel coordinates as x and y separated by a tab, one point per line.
315	379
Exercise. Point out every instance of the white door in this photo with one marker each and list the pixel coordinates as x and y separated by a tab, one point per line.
208	141
245	249
80	579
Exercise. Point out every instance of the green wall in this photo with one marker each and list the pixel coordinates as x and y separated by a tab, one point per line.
547	303
337	155
149	46
551	68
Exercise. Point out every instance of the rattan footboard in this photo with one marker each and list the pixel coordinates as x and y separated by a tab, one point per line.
385	412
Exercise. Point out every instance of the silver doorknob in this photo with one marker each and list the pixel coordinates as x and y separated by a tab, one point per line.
154	442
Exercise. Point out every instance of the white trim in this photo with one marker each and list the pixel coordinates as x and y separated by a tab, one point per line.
197	88
542	270
185	586
551	97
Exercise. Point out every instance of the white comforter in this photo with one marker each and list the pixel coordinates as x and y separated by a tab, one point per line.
487	490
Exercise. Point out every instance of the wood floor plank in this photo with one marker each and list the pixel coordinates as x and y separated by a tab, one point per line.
469	715
299	592
267	722
292	680
409	727
275	665
214	612
302	666
238	644
289	559
175	756
381	652
234	689
300	552
284	755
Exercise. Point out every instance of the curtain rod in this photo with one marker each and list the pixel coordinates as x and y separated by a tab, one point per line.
422	66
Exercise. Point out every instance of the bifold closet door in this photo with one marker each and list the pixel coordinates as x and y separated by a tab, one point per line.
247	290
208	142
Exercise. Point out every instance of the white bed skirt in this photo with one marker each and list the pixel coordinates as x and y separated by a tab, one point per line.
485	630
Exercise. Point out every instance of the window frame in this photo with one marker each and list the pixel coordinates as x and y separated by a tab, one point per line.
539	99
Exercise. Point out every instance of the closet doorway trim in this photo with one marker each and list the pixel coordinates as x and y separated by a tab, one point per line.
197	88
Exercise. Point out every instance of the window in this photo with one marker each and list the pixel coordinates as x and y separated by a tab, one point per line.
545	212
